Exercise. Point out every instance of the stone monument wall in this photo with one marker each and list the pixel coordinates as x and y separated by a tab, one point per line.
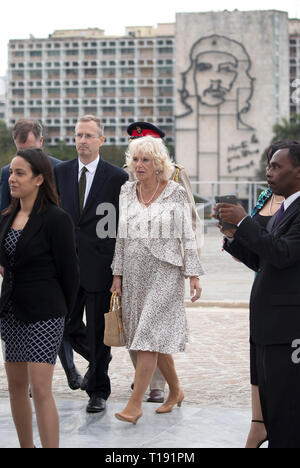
232	86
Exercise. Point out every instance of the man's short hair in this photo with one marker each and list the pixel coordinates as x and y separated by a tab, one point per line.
294	153
23	127
92	118
279	144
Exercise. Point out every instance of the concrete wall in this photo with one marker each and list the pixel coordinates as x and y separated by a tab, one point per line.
232	86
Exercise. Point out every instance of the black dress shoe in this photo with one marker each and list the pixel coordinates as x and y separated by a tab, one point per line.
96	404
74	378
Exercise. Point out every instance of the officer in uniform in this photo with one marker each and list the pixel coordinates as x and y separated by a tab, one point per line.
138	130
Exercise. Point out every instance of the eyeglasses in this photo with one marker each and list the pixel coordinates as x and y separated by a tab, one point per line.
87	136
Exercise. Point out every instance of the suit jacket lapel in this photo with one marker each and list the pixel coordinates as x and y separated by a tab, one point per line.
293	209
6	223
271	223
33	225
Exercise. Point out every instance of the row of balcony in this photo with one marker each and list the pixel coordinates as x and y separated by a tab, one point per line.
111	110
88	74
161	91
27	49
67	102
106	70
115	121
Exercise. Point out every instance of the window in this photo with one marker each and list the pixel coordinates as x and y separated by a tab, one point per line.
36	53
55	91
90	52
109	52
165	50
53	53
72	52
18	92
36	74
127	51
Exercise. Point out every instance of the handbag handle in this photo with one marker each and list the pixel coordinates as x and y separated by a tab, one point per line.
113	298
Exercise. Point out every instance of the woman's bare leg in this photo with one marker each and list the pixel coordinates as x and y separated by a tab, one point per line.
40	377
258	431
166	365
145	367
18	385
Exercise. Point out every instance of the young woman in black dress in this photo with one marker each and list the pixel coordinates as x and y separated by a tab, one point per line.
41	276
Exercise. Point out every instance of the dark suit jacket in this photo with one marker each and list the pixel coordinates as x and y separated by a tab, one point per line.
44	279
95	254
4	187
275	256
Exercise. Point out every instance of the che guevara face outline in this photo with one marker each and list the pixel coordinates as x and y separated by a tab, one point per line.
215	73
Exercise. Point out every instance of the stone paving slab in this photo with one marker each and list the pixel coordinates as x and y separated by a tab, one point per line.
186	427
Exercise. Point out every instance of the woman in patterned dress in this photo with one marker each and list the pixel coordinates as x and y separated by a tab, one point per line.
37	252
155	251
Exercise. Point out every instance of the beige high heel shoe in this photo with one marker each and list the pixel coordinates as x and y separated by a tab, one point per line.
168	407
129	419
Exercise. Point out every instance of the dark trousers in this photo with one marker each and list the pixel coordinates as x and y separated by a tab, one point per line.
66	355
87	340
279	388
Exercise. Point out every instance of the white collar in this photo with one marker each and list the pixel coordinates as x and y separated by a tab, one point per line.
291	200
91	167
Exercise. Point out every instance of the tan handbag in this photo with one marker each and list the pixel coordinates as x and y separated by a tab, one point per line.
113	333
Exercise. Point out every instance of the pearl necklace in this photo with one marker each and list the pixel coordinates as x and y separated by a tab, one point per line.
149	201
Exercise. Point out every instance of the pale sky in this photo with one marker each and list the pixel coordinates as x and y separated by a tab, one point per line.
22	18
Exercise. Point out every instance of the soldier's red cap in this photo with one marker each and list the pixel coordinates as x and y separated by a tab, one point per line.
142	129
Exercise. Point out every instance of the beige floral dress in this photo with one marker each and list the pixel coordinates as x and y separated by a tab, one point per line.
155	251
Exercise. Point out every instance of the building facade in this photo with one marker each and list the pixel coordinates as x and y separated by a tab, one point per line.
2	98
294	37
121	79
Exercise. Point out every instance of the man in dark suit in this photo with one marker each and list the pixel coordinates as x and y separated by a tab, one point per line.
28	133
274	253
89	189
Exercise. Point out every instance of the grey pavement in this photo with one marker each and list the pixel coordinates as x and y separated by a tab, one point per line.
226	280
214	374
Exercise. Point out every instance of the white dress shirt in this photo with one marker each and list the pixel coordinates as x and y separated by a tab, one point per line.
90	174
291	200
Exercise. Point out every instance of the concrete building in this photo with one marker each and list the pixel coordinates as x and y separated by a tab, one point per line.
2	98
294	36
121	79
232	77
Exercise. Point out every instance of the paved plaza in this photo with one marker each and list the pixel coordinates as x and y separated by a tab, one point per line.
214	373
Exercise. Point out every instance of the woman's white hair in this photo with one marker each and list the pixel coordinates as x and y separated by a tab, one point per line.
155	149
